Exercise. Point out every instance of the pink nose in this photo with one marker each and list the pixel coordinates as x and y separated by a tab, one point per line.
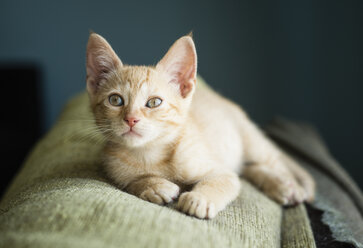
131	121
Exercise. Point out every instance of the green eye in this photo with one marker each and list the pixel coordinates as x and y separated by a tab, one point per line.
116	100
153	102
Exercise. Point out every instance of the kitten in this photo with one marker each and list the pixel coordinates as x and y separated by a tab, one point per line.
164	133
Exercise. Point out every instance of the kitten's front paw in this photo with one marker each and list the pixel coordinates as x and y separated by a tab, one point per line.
161	193
285	191
196	204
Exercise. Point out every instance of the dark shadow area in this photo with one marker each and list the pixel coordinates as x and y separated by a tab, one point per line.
322	234
20	116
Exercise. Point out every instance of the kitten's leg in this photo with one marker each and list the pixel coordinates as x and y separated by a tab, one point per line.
210	195
272	171
154	189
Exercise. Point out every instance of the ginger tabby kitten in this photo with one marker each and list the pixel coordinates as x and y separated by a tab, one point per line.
164	133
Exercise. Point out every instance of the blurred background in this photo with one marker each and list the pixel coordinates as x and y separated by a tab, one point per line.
298	59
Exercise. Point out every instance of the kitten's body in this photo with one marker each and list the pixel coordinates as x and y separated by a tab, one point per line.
195	138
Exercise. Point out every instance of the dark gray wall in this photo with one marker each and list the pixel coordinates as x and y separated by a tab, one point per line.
299	59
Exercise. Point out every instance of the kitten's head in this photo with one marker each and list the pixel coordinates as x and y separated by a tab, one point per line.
136	105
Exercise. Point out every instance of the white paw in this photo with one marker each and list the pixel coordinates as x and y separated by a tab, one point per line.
161	193
196	204
286	191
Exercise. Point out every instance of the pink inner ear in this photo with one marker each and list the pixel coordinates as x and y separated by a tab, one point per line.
95	72
180	62
185	89
187	81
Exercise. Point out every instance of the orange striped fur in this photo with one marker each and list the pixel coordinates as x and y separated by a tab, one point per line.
195	138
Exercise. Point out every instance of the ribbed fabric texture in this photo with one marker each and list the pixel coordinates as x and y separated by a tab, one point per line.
296	231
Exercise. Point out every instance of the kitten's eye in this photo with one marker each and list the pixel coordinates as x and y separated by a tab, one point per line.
116	100
153	102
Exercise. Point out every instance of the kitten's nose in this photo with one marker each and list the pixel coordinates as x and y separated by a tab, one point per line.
131	121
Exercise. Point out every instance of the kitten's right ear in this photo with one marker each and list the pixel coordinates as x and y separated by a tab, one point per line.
101	59
180	63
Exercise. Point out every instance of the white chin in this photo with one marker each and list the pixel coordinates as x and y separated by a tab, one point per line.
133	140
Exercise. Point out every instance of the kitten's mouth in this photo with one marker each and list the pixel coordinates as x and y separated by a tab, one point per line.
131	133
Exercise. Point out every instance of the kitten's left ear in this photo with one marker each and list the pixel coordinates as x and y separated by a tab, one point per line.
180	62
101	59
